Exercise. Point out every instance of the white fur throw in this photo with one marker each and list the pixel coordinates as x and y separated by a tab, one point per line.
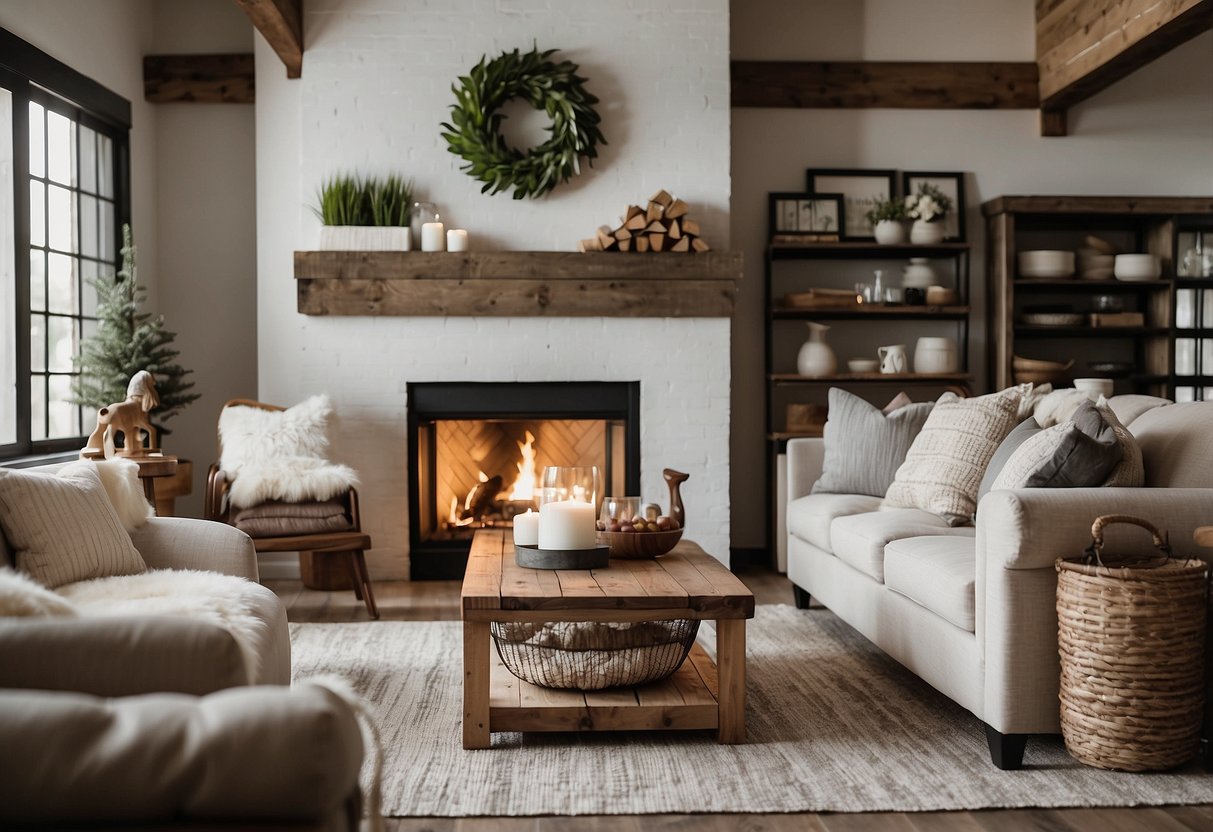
22	596
120	479
225	600
281	454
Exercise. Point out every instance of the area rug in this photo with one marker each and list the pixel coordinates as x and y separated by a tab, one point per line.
834	725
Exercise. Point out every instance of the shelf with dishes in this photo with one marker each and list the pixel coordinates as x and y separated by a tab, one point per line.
863	251
1079	331
871	378
871	311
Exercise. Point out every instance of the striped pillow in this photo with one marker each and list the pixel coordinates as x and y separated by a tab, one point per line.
64	528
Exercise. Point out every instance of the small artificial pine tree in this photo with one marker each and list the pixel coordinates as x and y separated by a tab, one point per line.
126	342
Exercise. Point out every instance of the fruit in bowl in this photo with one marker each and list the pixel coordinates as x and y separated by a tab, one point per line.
633	534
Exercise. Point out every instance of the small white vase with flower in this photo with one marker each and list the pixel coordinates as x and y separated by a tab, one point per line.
928	208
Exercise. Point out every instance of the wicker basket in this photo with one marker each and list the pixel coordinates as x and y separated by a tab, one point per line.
590	655
1131	639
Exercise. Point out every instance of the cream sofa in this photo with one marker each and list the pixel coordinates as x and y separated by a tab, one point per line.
971	609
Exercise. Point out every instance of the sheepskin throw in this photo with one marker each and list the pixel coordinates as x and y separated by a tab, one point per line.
120	478
21	596
64	528
280	454
225	600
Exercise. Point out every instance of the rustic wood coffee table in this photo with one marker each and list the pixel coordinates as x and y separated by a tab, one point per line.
686	583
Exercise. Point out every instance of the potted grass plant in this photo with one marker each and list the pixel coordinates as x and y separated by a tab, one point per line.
365	213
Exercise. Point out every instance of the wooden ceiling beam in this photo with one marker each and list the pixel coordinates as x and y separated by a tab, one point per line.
280	22
1083	46
210	79
897	84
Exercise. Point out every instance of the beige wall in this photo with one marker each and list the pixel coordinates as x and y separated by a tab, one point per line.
1151	133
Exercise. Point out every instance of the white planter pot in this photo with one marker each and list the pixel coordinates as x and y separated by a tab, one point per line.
889	232
364	238
936	355
926	233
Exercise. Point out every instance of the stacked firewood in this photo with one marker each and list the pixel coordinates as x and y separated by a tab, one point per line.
662	226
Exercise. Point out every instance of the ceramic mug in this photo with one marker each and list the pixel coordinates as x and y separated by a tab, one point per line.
892	358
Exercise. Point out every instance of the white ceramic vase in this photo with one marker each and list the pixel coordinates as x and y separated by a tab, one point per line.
936	355
889	232
919	274
926	233
816	358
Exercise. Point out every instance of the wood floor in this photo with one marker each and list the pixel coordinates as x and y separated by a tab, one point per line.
439	601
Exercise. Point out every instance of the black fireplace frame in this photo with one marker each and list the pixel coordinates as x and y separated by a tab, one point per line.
435	401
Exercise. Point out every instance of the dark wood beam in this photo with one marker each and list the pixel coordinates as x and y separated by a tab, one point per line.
281	23
1083	46
209	79
904	85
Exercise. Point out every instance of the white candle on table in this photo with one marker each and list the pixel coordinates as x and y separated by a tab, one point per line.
526	529
431	236
457	240
566	525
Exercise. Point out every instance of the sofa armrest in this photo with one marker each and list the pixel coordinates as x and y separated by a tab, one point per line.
183	543
805	458
1020	534
119	655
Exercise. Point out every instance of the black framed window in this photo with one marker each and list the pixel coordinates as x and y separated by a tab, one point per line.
64	194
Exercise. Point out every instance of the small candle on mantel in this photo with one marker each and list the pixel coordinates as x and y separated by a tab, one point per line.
526	529
431	237
457	240
566	525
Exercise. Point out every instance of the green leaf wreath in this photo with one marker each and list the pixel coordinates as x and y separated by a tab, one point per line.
474	133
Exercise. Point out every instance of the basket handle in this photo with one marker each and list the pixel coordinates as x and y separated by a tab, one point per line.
1094	551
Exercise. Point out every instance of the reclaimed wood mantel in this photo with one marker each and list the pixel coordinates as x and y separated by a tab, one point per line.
518	283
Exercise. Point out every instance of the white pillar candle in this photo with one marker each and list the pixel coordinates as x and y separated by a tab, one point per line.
566	525
526	529
431	236
457	240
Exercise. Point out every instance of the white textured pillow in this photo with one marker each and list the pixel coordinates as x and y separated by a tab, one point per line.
943	469
22	596
63	528
120	478
1130	472
280	454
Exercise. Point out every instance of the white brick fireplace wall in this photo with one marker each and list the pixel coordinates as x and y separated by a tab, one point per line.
375	86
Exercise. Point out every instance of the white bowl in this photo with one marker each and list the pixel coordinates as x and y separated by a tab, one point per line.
1137	267
1100	386
1046	263
863	365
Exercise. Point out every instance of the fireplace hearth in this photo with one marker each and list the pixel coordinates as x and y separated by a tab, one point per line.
476	451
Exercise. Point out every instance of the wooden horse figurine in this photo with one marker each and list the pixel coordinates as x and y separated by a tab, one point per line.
128	418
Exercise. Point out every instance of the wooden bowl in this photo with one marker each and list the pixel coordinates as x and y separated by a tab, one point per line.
640	545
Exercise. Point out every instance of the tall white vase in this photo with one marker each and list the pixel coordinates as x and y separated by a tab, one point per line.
816	359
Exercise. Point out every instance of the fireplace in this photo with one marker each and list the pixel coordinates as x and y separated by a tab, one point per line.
476	450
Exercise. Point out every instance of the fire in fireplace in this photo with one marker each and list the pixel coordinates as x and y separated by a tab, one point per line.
476	452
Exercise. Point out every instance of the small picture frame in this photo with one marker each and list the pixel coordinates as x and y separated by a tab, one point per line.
953	185
860	191
805	217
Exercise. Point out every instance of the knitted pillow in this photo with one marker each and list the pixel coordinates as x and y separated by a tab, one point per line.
943	469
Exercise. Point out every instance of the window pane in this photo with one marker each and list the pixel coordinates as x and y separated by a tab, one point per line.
88	328
62	344
60	149
37	140
37	214
8	277
88	160
1207	308
37	280
1185	356
1185	313
37	396
62	285
1185	394
105	232
1206	357
61	218
88	226
64	416
37	342
105	166
88	272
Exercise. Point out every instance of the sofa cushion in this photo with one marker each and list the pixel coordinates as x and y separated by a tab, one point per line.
859	540
937	572
1024	431
64	528
1132	405
1177	445
809	518
943	470
864	446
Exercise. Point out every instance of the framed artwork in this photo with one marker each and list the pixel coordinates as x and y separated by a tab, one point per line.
860	190
953	186
805	217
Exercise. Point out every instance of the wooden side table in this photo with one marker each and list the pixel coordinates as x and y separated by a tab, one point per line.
152	468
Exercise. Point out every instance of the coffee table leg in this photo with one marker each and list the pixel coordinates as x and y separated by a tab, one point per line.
730	670
476	684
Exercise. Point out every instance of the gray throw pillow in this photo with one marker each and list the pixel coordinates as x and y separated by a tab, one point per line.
1080	453
864	447
1024	431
